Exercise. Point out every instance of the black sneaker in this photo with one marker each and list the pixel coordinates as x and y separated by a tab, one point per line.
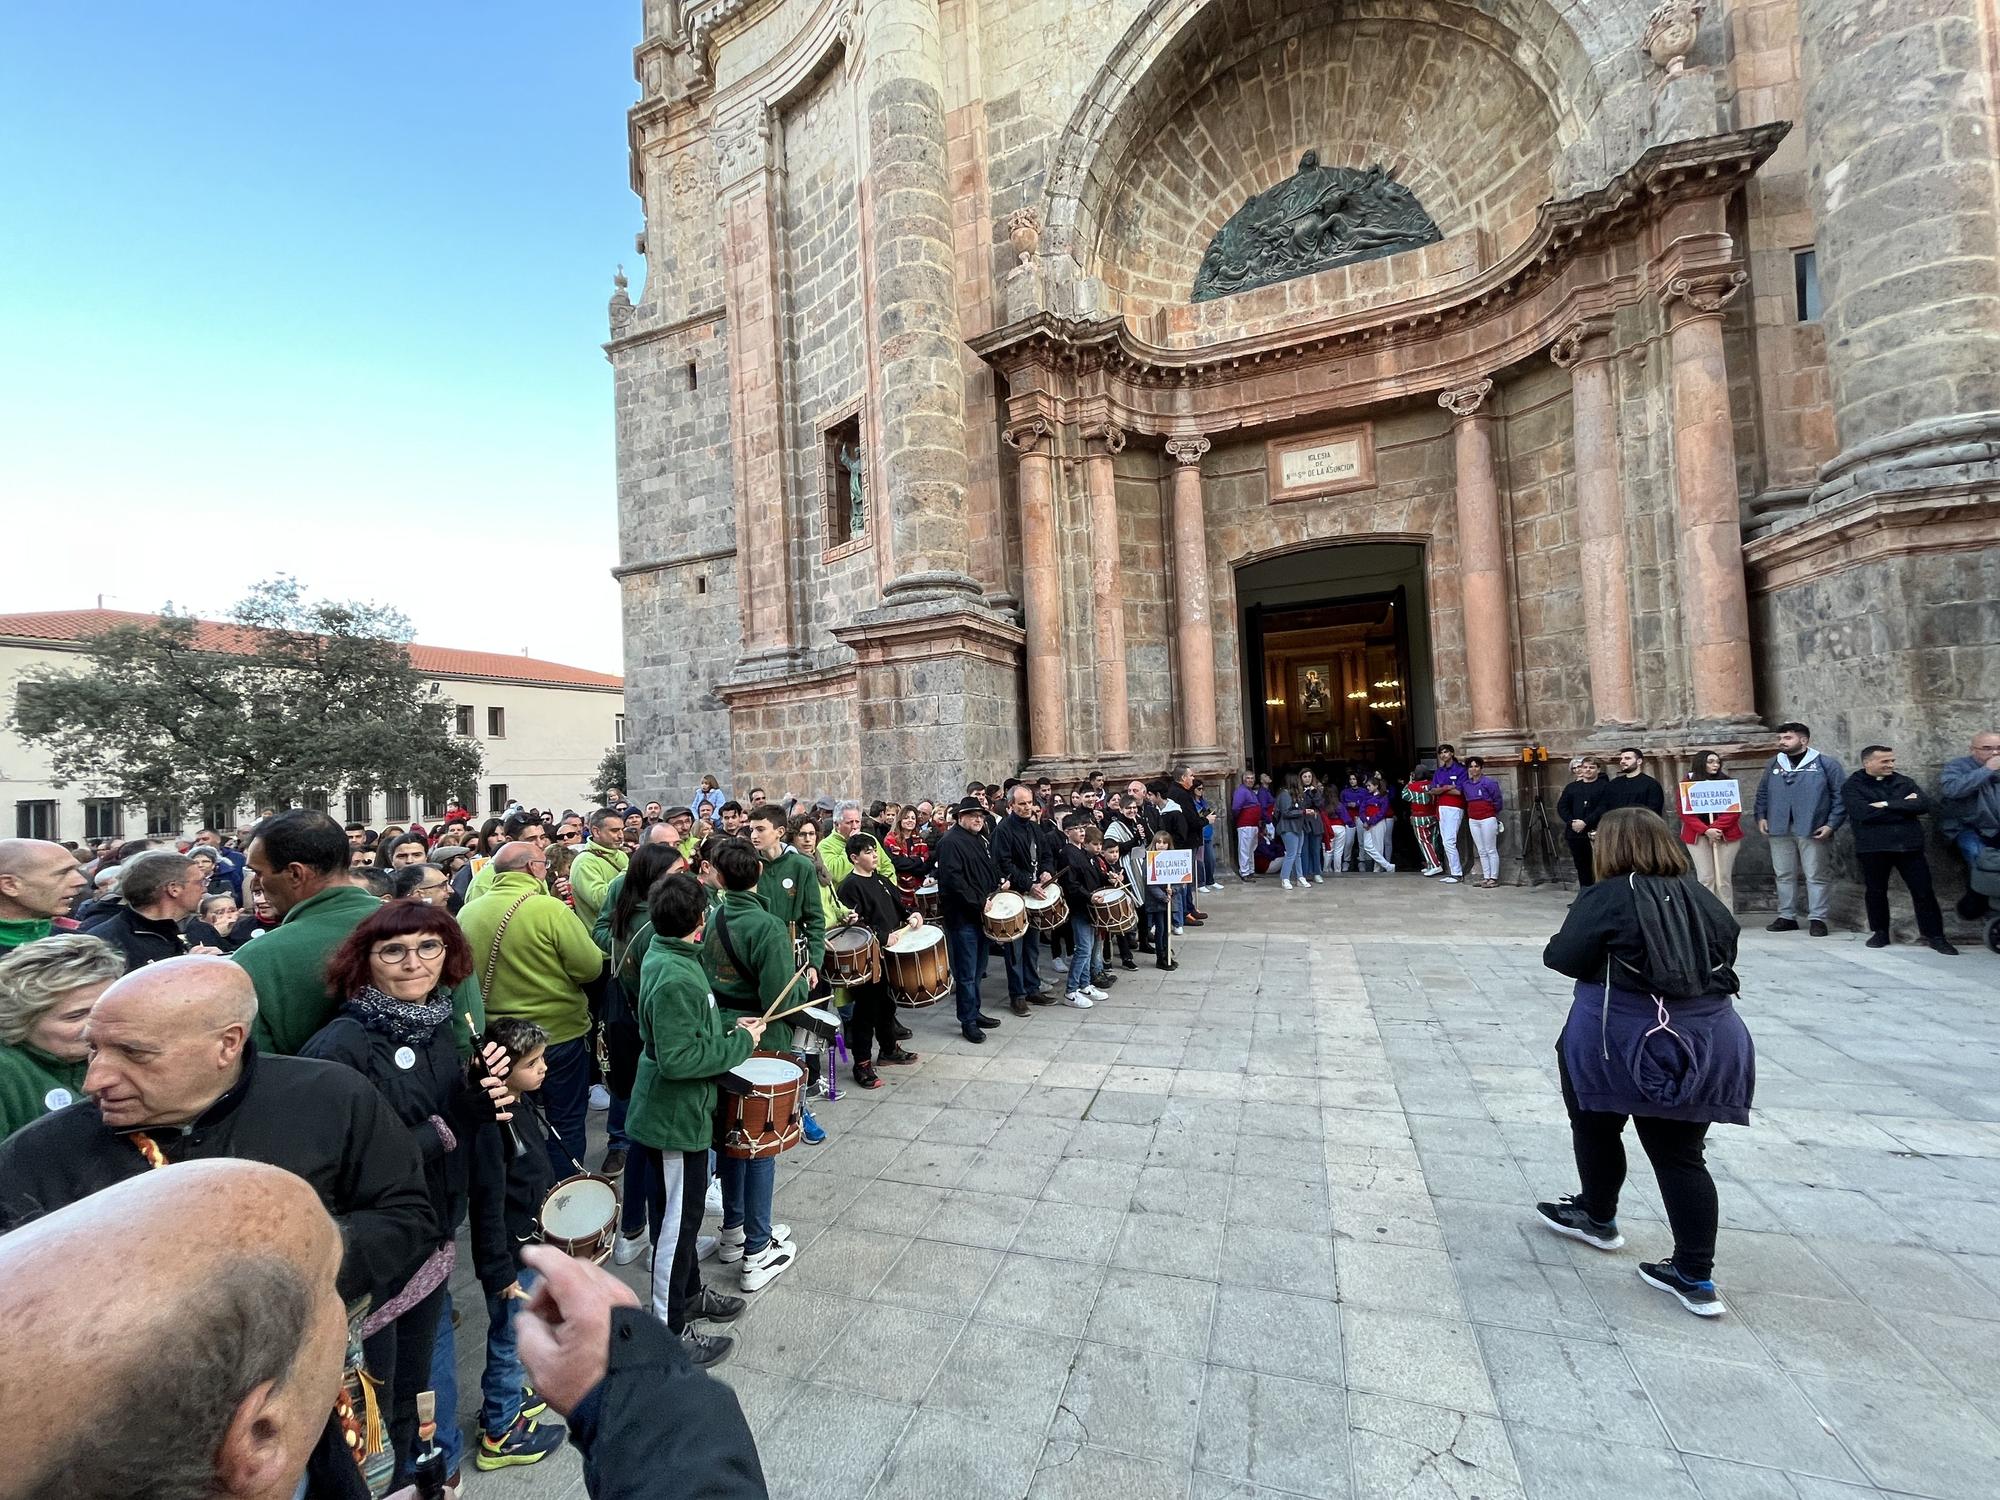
974	1034
1698	1297
903	1033
1816	928
614	1162
706	1350
716	1307
1877	940
532	1404
986	1022
1129	963
1568	1218
864	1076
1783	924
1104	979
1942	945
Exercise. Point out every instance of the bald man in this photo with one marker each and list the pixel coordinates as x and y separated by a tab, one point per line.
208	1365
39	883
174	1077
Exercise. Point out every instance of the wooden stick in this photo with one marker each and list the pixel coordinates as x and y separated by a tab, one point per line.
784	992
802	1005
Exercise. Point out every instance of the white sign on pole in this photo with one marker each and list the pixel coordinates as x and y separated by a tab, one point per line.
1699	797
1170	867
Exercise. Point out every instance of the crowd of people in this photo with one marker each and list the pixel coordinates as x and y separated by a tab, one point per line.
417	1022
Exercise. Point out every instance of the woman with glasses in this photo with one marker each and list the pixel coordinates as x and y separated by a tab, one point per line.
398	970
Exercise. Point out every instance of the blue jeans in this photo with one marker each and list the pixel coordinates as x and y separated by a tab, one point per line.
968	966
746	1197
444	1380
614	1125
1023	973
500	1383
1970	846
565	1096
1205	873
1294	860
1085	937
1314	853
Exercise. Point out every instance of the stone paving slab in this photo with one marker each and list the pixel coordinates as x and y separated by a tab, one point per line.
1262	1228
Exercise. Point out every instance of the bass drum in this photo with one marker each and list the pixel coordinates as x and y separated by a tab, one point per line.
917	966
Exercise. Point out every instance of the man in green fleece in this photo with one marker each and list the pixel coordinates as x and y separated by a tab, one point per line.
747	955
531	956
39	882
596	863
789	885
684	1042
47	989
833	844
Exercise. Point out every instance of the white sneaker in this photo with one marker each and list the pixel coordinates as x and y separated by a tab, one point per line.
1319	880
1433	870
712	1204
1449	880
761	1269
1180	932
624	1251
1079	999
600	1097
1284	882
706	1245
729	1250
1095	993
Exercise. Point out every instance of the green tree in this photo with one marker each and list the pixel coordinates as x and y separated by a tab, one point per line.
309	697
610	777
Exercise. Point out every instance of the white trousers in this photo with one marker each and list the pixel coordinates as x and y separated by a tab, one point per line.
1450	820
1246	851
1343	840
1486	839
1376	845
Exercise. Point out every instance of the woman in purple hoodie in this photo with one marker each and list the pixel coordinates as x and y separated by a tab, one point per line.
1483	801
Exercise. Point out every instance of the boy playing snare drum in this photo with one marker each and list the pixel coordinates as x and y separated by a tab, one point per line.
874	899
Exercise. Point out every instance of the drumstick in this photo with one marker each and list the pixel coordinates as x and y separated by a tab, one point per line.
802	1005
784	992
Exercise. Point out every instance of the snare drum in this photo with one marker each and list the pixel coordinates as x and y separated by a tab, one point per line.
1048	912
1111	910
1005	918
580	1216
917	966
760	1105
852	956
929	902
818	1022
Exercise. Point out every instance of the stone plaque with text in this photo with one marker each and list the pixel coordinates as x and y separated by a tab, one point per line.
1322	463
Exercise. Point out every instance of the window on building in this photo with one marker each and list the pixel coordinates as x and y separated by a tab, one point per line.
163	820
1805	284
465	719
694	376
496	723
35	820
220	816
397	806
433	805
845	489
317	802
496	798
358	805
618	729
103	818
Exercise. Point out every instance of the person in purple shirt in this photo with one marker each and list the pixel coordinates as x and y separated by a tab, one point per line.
1376	813
1448	794
1249	811
1483	800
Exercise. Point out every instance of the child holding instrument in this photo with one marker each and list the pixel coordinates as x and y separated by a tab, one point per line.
875	900
507	1194
747	955
1159	912
684	1041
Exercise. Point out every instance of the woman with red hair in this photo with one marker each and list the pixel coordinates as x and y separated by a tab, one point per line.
398	970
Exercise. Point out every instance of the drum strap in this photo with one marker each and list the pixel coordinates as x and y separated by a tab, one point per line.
493	953
729	948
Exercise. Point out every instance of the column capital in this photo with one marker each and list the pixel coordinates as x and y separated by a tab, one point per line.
1465	401
1585	340
1107	436
1026	437
1187	450
1702	294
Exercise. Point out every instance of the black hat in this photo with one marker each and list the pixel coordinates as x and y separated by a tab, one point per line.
969	805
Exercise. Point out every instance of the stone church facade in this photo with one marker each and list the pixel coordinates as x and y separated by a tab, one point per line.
978	412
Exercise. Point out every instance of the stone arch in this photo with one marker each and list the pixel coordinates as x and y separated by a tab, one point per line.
1575	55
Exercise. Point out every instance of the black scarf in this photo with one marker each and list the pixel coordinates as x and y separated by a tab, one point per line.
400	1020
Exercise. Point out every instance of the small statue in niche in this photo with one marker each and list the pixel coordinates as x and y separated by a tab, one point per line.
847	456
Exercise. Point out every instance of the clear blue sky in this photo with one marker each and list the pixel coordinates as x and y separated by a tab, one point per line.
319	289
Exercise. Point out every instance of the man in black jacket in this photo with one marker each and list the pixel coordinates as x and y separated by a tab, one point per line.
175	1077
966	875
1886	810
1017	849
1632	787
161	890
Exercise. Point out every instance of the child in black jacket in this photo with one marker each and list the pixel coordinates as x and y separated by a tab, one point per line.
871	1020
507	1196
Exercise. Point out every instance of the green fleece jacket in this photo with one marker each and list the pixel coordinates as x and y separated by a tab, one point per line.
18	933
545	954
32	1083
791	891
628	955
684	1042
761	941
590	879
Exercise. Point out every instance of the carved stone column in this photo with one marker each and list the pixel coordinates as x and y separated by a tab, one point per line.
1041	589
1482	564
1585	351
1193	626
1107	587
912	299
1714	597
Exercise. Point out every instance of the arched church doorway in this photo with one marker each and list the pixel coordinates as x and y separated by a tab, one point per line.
1337	659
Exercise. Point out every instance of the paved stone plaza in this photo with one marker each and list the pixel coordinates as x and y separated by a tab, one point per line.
1261	1228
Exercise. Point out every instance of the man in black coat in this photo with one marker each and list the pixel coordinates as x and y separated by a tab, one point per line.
1632	787
160	890
1886	812
966	875
1017	849
175	1077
